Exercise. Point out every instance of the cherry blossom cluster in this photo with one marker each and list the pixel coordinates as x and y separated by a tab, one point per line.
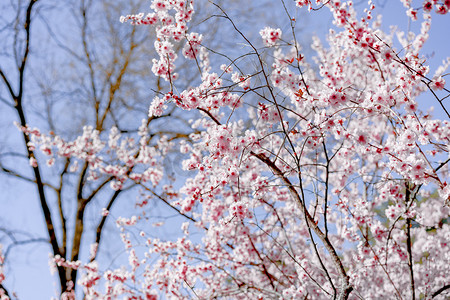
59	261
170	21
310	178
116	158
301	3
270	36
209	95
191	49
440	7
3	295
364	150
116	283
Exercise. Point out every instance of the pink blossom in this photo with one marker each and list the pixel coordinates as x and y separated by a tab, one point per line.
270	36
